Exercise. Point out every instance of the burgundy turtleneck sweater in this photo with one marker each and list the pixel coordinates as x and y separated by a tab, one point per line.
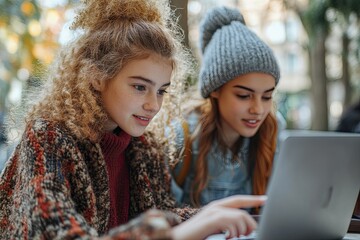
113	147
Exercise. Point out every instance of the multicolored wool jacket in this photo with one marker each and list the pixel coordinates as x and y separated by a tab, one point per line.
56	187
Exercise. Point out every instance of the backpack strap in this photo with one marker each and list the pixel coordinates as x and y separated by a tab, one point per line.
180	178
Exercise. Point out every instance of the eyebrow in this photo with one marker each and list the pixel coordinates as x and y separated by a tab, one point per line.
252	90
149	81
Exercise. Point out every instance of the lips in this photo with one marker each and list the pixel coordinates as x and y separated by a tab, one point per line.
251	123
143	121
142	118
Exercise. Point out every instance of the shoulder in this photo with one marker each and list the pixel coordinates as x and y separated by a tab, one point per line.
48	130
193	120
186	128
51	137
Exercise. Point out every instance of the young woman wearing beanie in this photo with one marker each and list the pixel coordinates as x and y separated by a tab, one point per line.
230	134
84	167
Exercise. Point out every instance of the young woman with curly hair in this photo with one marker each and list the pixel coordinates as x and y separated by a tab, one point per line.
231	132
85	166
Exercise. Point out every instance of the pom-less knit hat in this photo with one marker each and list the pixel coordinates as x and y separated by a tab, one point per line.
231	49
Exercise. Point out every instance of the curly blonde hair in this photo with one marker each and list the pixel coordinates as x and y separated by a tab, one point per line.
111	33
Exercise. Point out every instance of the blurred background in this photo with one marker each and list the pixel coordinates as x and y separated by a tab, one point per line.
315	41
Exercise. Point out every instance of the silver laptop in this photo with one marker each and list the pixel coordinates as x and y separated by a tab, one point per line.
313	188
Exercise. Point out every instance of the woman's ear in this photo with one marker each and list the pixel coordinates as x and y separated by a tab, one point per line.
97	84
215	94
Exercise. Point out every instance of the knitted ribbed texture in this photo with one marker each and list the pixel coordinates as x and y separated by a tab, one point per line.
231	49
113	148
55	186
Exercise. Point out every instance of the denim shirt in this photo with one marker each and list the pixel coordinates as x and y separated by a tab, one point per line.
225	177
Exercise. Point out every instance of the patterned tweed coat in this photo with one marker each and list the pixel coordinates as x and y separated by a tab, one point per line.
56	187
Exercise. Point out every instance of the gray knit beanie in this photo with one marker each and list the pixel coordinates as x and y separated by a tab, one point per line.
231	49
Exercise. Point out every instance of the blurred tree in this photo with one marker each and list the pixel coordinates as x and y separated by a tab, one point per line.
29	31
313	18
346	10
18	23
181	11
180	7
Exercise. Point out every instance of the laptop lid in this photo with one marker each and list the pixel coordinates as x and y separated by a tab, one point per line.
313	188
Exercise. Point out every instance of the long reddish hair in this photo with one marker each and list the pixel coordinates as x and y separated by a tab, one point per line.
262	149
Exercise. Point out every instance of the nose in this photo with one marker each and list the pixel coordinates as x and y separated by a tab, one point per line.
256	107
152	103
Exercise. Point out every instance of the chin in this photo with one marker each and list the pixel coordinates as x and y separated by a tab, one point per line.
136	133
249	134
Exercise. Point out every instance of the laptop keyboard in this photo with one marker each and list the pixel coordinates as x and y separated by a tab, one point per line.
251	236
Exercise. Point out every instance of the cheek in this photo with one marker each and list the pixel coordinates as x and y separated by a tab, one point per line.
268	106
231	109
115	102
236	106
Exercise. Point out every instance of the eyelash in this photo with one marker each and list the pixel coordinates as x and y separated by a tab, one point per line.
267	98
142	88
162	92
243	97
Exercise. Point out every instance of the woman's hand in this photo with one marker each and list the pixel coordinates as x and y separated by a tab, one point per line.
152	224
220	216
